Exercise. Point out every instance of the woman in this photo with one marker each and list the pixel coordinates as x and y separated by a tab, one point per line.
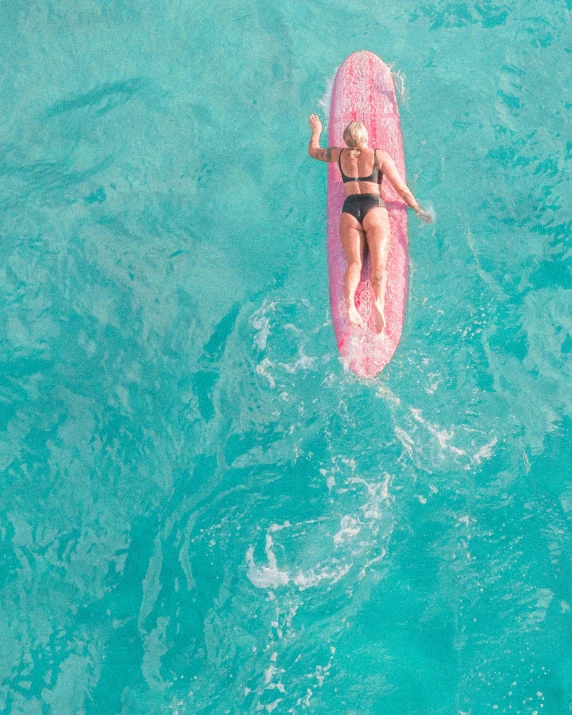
364	214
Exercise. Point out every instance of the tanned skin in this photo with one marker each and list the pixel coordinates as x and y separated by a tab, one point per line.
375	228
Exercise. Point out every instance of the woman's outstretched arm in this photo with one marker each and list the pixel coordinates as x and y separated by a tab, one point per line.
390	170
314	150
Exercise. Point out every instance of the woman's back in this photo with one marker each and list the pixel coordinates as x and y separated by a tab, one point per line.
356	170
361	165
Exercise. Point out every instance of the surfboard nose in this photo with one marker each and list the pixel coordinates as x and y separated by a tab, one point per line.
362	53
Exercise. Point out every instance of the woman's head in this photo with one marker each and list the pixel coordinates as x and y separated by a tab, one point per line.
355	136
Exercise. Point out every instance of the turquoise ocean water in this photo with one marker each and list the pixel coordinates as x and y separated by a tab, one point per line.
200	511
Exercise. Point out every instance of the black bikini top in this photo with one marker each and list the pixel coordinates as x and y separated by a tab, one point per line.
376	175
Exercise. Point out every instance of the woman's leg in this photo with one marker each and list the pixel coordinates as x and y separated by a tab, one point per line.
352	236
376	225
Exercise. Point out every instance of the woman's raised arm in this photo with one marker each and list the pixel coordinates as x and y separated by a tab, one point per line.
314	150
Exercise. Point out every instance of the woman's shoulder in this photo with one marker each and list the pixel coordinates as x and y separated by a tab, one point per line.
382	156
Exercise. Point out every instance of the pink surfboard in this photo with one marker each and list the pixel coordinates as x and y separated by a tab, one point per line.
363	90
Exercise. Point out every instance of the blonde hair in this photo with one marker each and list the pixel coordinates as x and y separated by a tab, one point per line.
355	136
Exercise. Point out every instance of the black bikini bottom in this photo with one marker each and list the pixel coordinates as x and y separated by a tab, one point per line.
359	204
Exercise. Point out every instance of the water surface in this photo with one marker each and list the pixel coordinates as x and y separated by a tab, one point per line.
201	511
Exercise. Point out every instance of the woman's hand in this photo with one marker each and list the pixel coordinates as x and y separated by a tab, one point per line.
316	124
424	215
390	171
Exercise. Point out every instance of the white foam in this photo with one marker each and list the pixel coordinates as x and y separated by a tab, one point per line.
304	363
326	102
312	578
485	452
271	577
279	527
441	435
399	83
262	370
265	576
348	528
405	440
369	563
261	324
378	492
269	708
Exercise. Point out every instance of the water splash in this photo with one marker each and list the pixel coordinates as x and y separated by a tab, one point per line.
326	101
430	208
400	86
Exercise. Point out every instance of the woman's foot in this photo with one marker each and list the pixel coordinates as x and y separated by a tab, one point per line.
379	315
354	317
